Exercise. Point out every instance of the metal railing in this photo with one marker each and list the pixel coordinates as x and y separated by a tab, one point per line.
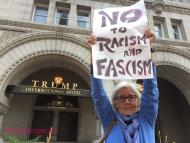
162	138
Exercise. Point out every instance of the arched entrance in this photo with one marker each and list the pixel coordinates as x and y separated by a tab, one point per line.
174	112
49	52
61	113
69	116
173	71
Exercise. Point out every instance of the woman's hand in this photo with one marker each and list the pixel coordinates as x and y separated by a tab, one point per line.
91	41
149	34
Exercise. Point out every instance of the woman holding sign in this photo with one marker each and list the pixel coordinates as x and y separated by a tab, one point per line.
132	117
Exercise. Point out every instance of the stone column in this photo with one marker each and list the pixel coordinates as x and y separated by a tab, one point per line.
73	16
151	22
168	28
91	17
51	12
55	124
1	121
3	110
99	131
184	27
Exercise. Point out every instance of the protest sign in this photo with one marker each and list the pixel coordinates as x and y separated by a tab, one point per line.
121	51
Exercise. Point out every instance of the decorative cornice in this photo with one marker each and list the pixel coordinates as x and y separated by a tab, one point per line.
164	45
172	42
35	26
172	64
160	45
175	8
171	49
7	35
40	36
119	2
84	32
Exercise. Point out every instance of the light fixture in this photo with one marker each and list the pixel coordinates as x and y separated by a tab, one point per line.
140	87
58	80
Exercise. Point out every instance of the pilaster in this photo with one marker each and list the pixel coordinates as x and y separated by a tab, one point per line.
73	16
51	12
169	27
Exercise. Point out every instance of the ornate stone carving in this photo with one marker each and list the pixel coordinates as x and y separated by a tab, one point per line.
166	63
172	42
171	49
34	26
39	36
44	52
7	35
3	108
158	6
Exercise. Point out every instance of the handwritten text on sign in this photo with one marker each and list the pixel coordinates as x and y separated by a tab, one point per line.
121	51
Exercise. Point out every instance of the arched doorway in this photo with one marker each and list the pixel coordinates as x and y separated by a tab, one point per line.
59	113
174	111
68	116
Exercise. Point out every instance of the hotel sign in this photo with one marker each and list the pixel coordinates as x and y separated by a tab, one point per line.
63	85
42	87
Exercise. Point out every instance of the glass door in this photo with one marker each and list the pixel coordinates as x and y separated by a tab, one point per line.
68	126
42	121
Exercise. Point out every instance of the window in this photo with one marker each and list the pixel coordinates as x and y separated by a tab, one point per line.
62	13
178	30
62	17
160	27
83	16
83	20
175	31
158	30
40	15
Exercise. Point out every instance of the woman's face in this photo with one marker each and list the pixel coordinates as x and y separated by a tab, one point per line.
126	101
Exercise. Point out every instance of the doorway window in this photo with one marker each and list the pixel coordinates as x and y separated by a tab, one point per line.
58	112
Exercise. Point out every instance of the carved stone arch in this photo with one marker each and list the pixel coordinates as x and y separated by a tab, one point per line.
174	66
182	51
17	53
36	36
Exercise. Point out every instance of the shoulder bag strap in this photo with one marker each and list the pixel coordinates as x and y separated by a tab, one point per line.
108	131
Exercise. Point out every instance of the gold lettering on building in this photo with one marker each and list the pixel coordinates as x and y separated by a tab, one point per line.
65	86
74	85
53	85
44	84
35	82
59	91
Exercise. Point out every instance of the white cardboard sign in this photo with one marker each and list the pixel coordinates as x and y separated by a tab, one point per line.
121	51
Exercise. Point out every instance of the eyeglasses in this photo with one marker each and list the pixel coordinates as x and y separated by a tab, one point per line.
123	98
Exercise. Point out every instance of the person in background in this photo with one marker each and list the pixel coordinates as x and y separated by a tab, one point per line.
131	117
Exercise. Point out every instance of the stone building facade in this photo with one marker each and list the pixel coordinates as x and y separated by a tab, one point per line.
42	38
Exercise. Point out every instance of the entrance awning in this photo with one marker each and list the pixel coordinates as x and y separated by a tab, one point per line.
23	89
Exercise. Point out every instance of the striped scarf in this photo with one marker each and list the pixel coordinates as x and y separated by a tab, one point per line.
129	126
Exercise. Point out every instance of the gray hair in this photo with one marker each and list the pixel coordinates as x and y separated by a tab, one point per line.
121	85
